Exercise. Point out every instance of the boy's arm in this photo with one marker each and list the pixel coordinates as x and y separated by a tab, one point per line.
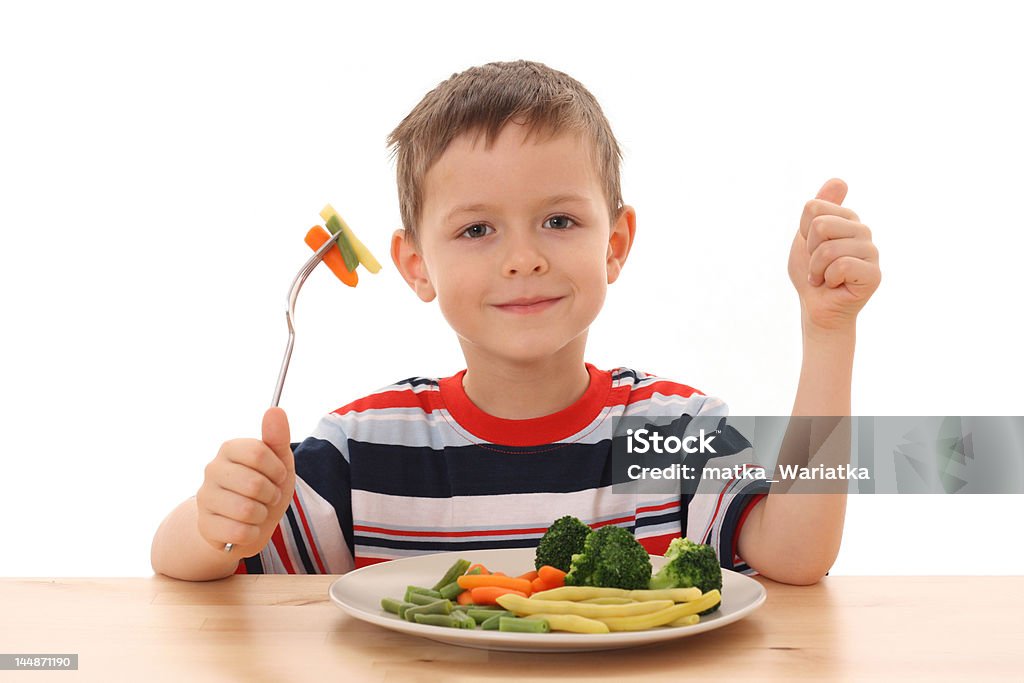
794	537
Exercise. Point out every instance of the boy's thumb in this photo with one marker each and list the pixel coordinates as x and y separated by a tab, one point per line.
276	433
834	190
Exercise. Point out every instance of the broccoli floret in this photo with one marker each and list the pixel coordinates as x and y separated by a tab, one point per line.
563	539
690	564
611	557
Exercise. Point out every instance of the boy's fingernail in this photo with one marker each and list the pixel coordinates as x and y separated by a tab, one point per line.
810	280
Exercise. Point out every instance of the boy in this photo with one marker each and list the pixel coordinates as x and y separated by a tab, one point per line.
513	220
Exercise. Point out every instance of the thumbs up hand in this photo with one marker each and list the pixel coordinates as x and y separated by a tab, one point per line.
833	264
247	488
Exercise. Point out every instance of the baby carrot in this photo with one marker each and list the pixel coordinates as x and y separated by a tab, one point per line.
464	598
483	569
468	582
529	576
488	595
315	238
539	584
553	576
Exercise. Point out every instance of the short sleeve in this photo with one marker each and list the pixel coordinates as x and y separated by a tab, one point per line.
315	534
718	508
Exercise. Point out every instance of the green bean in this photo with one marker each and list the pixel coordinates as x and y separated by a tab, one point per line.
425	591
436	607
405	607
491	623
463	620
491	608
485	614
438	620
451	590
523	625
454	572
420	598
392	606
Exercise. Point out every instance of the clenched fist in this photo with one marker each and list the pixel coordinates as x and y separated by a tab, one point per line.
248	487
833	263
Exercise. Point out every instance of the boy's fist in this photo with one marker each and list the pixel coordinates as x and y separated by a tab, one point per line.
248	487
833	263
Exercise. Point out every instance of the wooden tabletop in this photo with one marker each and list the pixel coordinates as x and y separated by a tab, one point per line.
285	628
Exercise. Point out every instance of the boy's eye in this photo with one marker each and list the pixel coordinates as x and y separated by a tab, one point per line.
564	220
475	231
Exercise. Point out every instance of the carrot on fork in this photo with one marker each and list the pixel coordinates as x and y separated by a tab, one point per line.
315	238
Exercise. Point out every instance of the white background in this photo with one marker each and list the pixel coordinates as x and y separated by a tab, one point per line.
159	167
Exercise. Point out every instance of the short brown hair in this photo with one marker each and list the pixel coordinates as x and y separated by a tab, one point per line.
485	98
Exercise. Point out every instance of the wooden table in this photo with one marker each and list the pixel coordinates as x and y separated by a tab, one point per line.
284	628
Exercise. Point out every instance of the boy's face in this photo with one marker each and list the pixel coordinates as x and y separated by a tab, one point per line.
516	245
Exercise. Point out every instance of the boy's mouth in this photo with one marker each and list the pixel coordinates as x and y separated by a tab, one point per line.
528	304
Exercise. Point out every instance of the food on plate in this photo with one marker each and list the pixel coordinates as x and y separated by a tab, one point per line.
563	539
608	587
690	565
611	557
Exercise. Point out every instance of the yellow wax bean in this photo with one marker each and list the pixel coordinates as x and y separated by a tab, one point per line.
525	606
686	621
607	601
572	623
581	593
662	616
578	593
673	594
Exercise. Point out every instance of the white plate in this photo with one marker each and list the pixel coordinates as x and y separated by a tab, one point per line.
359	593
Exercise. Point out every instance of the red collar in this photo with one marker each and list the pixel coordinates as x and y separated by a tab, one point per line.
533	431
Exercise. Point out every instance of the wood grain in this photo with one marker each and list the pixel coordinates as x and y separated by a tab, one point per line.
284	628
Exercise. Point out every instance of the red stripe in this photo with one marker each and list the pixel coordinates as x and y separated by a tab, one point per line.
663	506
402	398
367	561
483	532
664	387
309	535
240	569
618	520
739	525
278	540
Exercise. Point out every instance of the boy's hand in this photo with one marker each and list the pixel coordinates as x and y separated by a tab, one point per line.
833	264
248	487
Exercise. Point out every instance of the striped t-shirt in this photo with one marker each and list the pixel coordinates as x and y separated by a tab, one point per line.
417	468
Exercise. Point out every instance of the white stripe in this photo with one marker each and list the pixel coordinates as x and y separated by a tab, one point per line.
515	511
326	530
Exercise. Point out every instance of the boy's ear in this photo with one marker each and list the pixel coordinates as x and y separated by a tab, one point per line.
411	265
620	240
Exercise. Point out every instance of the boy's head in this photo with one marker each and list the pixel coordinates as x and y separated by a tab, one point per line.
480	101
509	190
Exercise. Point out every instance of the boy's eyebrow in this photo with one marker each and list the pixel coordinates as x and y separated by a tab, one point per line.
554	199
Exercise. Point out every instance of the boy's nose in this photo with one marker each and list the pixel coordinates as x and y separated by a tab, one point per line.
522	256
